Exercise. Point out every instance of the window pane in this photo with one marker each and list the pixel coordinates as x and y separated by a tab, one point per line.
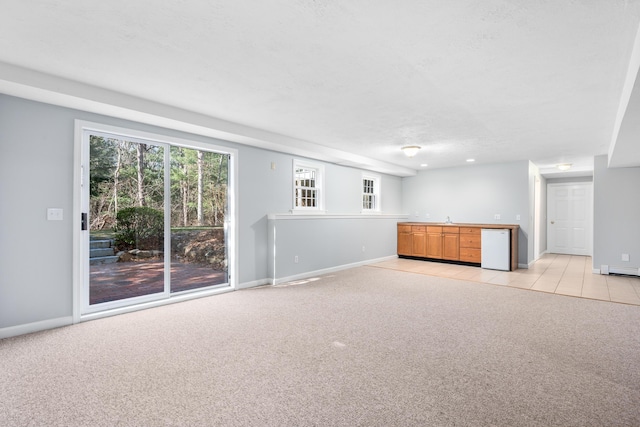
305	194
126	219
369	193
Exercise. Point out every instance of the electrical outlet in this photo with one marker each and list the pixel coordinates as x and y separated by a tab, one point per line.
496	216
428	216
362	248
273	166
295	259
625	257
517	217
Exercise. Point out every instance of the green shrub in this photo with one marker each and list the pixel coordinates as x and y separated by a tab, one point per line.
139	228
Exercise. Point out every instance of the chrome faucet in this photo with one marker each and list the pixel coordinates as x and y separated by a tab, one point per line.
448	221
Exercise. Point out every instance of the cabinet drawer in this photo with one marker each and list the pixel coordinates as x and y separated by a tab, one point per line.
470	254
470	230
451	230
434	229
404	229
418	228
470	241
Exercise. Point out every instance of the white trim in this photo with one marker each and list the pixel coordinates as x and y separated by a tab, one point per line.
77	261
323	271
526	266
299	215
254	284
630	271
27	328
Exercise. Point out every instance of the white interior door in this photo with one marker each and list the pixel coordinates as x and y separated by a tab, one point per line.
570	219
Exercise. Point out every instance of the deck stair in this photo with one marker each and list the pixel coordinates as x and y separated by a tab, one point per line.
102	252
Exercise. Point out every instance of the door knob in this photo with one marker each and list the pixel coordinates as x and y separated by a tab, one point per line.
553	222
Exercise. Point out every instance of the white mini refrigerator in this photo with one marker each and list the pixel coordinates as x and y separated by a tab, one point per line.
496	248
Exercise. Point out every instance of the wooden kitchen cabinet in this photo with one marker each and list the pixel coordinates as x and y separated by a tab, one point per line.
443	242
434	242
405	240
451	243
419	240
470	244
459	242
412	240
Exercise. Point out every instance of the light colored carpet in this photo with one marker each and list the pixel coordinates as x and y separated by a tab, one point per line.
362	347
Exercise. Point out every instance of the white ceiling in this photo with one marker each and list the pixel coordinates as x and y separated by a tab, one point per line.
347	81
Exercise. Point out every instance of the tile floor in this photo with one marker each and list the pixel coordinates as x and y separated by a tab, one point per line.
557	274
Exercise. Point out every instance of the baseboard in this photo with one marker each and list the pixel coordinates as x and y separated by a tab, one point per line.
629	271
525	266
329	270
254	283
27	328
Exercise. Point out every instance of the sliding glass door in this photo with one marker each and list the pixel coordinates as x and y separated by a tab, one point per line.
154	218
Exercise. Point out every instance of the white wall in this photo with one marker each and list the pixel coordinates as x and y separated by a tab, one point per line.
322	243
36	172
473	194
616	217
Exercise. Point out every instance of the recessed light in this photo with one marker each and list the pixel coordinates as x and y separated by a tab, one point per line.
424	165
471	160
564	166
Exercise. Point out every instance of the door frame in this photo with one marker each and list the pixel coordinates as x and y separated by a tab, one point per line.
80	247
537	215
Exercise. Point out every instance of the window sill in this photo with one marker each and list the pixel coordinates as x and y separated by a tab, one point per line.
317	215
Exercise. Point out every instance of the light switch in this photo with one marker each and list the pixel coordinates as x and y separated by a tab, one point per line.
54	214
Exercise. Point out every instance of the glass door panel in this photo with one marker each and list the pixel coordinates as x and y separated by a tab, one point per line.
199	206
126	219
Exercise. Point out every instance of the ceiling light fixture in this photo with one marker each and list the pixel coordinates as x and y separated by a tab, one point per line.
471	160
410	150
564	166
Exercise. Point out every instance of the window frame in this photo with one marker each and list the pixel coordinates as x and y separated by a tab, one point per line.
376	193
318	168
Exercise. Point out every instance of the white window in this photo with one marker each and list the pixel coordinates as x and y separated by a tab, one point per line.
308	186
370	193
